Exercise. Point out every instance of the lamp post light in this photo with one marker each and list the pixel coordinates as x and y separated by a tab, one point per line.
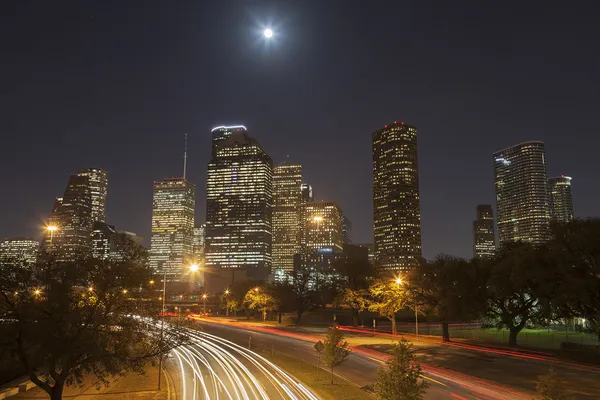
204	296
226	293
399	282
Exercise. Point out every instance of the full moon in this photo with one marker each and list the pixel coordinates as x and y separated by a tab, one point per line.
268	33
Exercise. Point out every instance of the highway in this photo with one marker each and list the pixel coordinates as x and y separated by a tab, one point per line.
214	368
361	368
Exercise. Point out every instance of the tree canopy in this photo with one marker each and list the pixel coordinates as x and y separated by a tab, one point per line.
63	320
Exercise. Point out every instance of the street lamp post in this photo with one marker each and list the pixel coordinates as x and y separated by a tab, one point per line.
226	304
204	297
399	282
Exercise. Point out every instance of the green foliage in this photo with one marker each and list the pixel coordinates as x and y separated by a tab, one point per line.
64	321
399	378
336	350
388	298
296	294
551	387
523	281
356	299
259	299
451	288
577	245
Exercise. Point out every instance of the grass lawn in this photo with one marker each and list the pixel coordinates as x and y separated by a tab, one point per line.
307	374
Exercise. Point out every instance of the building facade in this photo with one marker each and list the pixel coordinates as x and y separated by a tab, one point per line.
71	221
98	184
287	206
396	201
173	207
484	235
322	228
239	202
307	193
346	230
521	193
104	239
560	198
198	243
19	251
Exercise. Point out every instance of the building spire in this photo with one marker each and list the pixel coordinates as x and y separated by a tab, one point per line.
185	156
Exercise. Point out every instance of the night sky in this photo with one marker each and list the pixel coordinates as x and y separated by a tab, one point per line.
116	84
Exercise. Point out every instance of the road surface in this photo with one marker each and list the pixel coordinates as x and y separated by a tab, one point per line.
361	368
214	368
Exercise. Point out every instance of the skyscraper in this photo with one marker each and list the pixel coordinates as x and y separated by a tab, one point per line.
560	199
484	237
103	240
198	243
172	227
221	133
72	217
396	203
521	193
322	227
307	193
98	183
287	202
19	251
347	230
239	202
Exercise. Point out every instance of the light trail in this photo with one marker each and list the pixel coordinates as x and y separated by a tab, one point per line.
215	368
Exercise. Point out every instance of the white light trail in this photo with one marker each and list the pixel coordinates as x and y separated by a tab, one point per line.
220	369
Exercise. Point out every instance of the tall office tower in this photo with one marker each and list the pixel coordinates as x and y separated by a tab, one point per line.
322	227
560	199
72	219
347	230
239	201
521	193
396	203
98	183
172	227
484	236
19	251
198	243
307	193
222	133
287	202
103	240
370	251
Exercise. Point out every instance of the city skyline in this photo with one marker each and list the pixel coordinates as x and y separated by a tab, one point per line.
63	115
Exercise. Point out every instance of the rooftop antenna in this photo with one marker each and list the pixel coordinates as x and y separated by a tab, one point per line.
185	157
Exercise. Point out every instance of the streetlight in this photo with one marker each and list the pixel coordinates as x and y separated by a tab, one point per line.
194	268
226	293
399	282
37	292
152	282
204	296
91	289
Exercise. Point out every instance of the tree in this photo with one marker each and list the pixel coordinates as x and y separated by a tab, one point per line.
388	298
551	387
356	270
450	288
294	294
577	243
399	378
259	299
65	320
336	351
523	281
356	299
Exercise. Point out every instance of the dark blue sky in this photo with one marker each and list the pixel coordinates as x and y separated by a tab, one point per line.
116	84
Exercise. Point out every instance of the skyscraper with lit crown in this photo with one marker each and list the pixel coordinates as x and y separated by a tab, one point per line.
396	201
239	202
171	245
287	202
522	193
